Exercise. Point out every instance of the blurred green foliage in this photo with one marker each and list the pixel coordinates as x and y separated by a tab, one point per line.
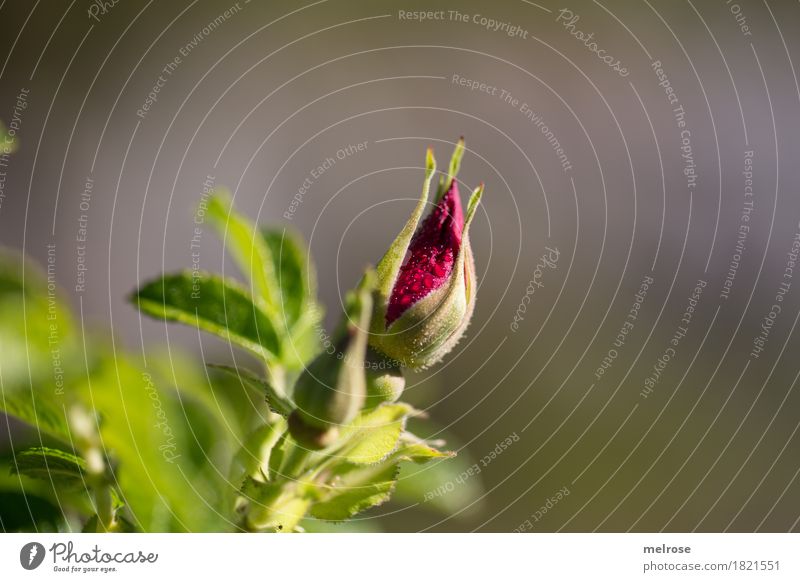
8	144
170	429
123	443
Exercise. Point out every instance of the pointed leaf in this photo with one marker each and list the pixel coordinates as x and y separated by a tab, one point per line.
36	348
44	414
447	486
357	490
244	243
297	312
374	434
419	452
62	468
349	503
294	274
212	304
304	343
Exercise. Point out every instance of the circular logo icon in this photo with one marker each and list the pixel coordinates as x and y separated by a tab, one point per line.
31	555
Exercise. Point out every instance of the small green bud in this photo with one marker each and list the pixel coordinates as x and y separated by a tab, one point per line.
426	280
332	389
385	380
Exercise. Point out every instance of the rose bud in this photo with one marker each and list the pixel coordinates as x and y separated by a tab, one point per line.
426	280
332	389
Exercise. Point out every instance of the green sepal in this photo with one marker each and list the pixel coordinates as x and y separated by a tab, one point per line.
332	389
452	170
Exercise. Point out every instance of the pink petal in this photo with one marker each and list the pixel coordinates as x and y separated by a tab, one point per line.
431	255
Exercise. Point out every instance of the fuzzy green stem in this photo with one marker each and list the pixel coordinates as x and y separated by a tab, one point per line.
295	461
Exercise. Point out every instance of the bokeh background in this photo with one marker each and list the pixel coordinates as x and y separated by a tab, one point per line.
263	96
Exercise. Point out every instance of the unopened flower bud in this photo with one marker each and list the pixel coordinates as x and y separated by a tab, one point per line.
426	280
332	389
311	437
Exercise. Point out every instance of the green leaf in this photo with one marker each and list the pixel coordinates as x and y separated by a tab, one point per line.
117	502
304	343
347	504
357	487
60	467
277	401
154	438
297	309
374	434
36	347
418	451
356	490
244	243
282	275
44	414
212	304
312	525
448	486
294	273
20	276
27	356
219	397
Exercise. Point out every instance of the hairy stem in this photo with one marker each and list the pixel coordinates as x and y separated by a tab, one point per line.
295	461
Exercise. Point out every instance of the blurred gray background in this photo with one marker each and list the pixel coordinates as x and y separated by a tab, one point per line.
264	93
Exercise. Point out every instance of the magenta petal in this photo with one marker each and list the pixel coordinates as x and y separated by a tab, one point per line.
431	255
